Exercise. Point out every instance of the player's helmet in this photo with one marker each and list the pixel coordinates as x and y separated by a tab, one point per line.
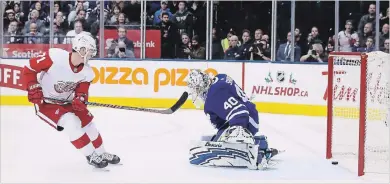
198	83
86	41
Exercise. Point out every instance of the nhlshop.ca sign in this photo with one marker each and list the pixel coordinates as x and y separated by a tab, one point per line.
278	84
286	83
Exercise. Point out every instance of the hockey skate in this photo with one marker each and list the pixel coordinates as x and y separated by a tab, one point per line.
111	158
238	134
96	160
265	157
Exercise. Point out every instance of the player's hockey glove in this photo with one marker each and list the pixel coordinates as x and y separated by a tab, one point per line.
78	103
35	94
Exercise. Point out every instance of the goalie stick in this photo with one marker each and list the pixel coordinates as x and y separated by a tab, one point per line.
170	110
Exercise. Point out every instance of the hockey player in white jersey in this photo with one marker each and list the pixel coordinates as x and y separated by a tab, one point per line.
236	120
66	76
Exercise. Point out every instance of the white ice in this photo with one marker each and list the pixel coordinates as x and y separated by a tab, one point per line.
154	148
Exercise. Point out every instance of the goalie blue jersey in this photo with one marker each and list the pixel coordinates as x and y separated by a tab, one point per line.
227	103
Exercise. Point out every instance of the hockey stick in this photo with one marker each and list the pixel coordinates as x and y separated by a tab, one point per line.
171	110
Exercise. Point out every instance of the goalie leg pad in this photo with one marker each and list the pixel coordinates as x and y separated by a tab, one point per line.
221	154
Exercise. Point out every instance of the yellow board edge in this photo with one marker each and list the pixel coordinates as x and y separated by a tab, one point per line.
264	107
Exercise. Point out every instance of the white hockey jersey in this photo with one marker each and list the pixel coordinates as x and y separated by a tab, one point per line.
58	77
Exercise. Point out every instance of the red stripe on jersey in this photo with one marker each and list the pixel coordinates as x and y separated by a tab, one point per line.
81	142
97	142
41	63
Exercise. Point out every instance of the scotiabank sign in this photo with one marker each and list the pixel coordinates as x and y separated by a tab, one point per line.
152	42
29	50
153	45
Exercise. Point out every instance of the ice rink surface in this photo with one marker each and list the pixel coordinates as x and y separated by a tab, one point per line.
154	149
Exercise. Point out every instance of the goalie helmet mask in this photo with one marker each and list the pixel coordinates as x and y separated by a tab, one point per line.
81	41
198	83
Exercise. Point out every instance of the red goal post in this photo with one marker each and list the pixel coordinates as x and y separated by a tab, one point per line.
357	111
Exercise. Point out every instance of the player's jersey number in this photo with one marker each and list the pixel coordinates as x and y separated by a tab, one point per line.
230	103
41	57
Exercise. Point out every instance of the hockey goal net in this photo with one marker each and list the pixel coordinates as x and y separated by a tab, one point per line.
358	111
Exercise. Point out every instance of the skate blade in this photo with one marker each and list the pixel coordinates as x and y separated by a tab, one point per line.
100	169
118	164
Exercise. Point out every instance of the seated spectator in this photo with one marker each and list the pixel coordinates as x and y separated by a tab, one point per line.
226	41
10	17
233	51
197	51
386	47
78	28
158	14
13	36
122	52
81	16
384	35
312	38
42	14
34	19
19	15
121	21
60	22
315	54
258	34
33	37
259	51
368	18
329	48
265	37
58	36
57	8
284	50
246	46
73	14
122	37
115	14
369	46
367	32
184	47
347	37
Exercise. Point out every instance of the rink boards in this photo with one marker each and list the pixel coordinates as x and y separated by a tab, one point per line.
277	87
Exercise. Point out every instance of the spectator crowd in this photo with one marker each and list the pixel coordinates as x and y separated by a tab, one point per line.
182	25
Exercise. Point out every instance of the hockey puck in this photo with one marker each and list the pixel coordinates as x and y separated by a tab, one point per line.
335	162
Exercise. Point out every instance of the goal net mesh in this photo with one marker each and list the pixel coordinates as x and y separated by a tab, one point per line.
346	109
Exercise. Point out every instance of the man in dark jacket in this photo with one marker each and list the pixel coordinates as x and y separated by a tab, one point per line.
233	52
183	19
246	47
368	18
169	37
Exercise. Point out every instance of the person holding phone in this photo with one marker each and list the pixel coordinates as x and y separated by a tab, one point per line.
122	52
315	54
